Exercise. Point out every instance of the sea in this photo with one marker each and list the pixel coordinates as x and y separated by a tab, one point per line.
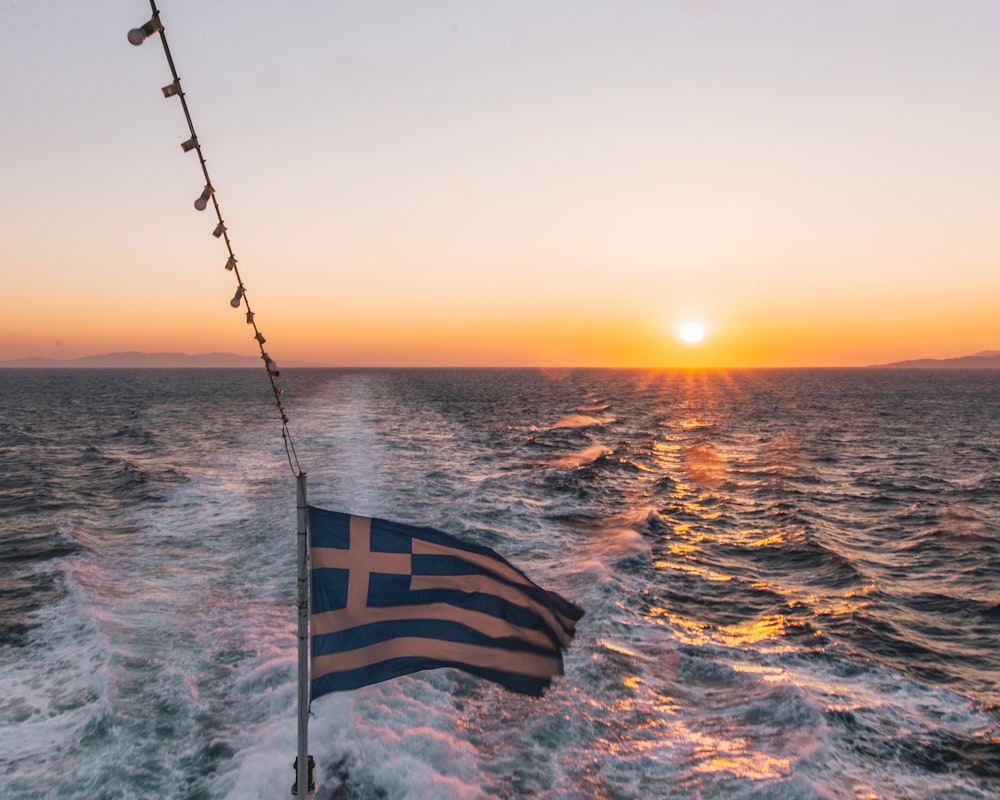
791	581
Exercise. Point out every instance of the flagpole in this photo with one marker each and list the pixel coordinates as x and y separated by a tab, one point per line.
303	761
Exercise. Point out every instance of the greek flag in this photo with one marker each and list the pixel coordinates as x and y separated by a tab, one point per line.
390	599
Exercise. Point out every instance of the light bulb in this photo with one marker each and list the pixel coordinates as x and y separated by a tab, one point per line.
235	302
190	144
171	89
202	202
231	263
138	35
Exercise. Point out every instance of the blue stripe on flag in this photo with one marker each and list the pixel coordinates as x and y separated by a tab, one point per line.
389	599
444	630
394	590
397	667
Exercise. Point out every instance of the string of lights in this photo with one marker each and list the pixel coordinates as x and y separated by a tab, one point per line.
173	89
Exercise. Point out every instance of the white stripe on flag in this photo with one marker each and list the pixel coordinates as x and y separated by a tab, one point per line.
475	655
471	584
342	620
422	547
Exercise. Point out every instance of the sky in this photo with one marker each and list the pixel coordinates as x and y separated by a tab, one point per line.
517	183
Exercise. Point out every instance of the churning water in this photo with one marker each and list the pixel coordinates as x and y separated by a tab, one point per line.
791	579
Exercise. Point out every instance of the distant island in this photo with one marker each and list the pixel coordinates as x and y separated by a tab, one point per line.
987	359
136	360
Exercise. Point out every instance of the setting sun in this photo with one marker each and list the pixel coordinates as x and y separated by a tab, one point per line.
692	332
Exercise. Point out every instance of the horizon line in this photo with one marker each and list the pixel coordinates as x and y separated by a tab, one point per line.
136	359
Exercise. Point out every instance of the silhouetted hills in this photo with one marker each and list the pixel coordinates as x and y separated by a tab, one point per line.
136	360
987	359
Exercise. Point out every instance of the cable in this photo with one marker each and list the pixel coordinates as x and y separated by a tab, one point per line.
137	36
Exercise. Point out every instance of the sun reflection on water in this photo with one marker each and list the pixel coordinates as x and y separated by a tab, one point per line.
743	764
745	565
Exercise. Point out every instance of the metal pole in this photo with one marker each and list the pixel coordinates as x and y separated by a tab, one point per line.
302	771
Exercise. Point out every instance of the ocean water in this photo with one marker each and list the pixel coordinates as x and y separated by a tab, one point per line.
791	579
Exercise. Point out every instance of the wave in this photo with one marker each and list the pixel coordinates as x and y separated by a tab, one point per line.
579	459
592	409
581	421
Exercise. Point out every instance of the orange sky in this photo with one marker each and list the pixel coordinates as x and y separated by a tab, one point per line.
462	184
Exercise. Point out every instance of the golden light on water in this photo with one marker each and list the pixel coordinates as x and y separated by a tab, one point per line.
708	481
754	632
745	763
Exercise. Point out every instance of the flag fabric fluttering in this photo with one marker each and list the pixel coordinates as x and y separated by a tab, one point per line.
390	599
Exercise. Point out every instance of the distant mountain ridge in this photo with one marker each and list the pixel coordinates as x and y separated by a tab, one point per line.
987	359
134	359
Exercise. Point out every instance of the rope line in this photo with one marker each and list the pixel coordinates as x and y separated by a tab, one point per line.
137	36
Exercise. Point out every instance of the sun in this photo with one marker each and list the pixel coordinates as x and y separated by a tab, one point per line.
692	332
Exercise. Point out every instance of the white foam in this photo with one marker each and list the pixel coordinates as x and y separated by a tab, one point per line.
581	421
579	459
